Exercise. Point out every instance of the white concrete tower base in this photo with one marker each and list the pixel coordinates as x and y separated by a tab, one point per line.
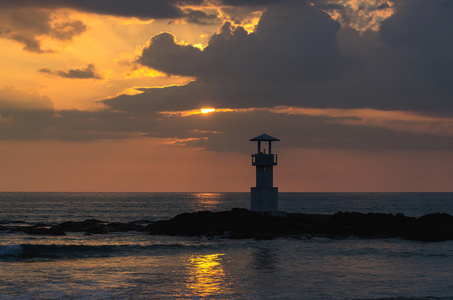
264	199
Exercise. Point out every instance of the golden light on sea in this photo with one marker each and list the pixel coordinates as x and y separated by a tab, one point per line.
206	201
208	277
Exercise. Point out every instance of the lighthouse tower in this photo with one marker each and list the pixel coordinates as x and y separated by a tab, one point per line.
264	197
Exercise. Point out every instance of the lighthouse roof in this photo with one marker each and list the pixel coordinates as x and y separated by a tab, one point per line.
264	137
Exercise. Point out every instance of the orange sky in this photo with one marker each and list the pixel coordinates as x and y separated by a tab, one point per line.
109	99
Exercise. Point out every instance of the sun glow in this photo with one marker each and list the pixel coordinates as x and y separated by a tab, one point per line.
207	110
206	201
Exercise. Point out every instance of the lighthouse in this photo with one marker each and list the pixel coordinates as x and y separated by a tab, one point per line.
264	197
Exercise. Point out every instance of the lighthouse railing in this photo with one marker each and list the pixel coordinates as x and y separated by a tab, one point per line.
261	159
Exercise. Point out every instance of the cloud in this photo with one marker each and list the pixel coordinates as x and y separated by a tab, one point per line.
22	112
286	46
143	9
30	26
29	116
361	15
29	22
299	56
199	17
301	131
421	33
89	72
293	46
250	2
12	100
165	55
66	30
25	116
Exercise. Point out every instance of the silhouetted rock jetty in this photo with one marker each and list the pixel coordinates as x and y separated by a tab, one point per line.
244	224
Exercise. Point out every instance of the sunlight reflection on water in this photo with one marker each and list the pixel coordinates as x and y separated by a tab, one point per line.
207	276
206	201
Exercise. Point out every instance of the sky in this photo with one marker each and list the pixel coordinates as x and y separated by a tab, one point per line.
164	95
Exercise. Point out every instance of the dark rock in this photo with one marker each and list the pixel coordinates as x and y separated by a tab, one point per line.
97	230
242	223
236	224
43	231
85	226
12	222
38	230
123	227
56	231
432	228
43	225
141	222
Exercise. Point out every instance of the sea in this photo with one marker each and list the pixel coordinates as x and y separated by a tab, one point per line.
136	265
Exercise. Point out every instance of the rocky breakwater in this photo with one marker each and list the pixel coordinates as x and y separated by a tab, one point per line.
242	223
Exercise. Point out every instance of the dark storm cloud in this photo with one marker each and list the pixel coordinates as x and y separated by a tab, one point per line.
249	2
422	35
299	57
194	94
287	46
25	116
298	131
223	129
89	72
383	6
199	17
144	9
330	6
164	54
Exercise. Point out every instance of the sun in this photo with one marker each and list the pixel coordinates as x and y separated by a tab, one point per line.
207	110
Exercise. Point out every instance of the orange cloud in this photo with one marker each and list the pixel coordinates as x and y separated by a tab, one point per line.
361	15
31	26
89	72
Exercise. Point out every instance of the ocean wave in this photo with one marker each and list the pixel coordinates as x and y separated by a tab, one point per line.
30	251
11	250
